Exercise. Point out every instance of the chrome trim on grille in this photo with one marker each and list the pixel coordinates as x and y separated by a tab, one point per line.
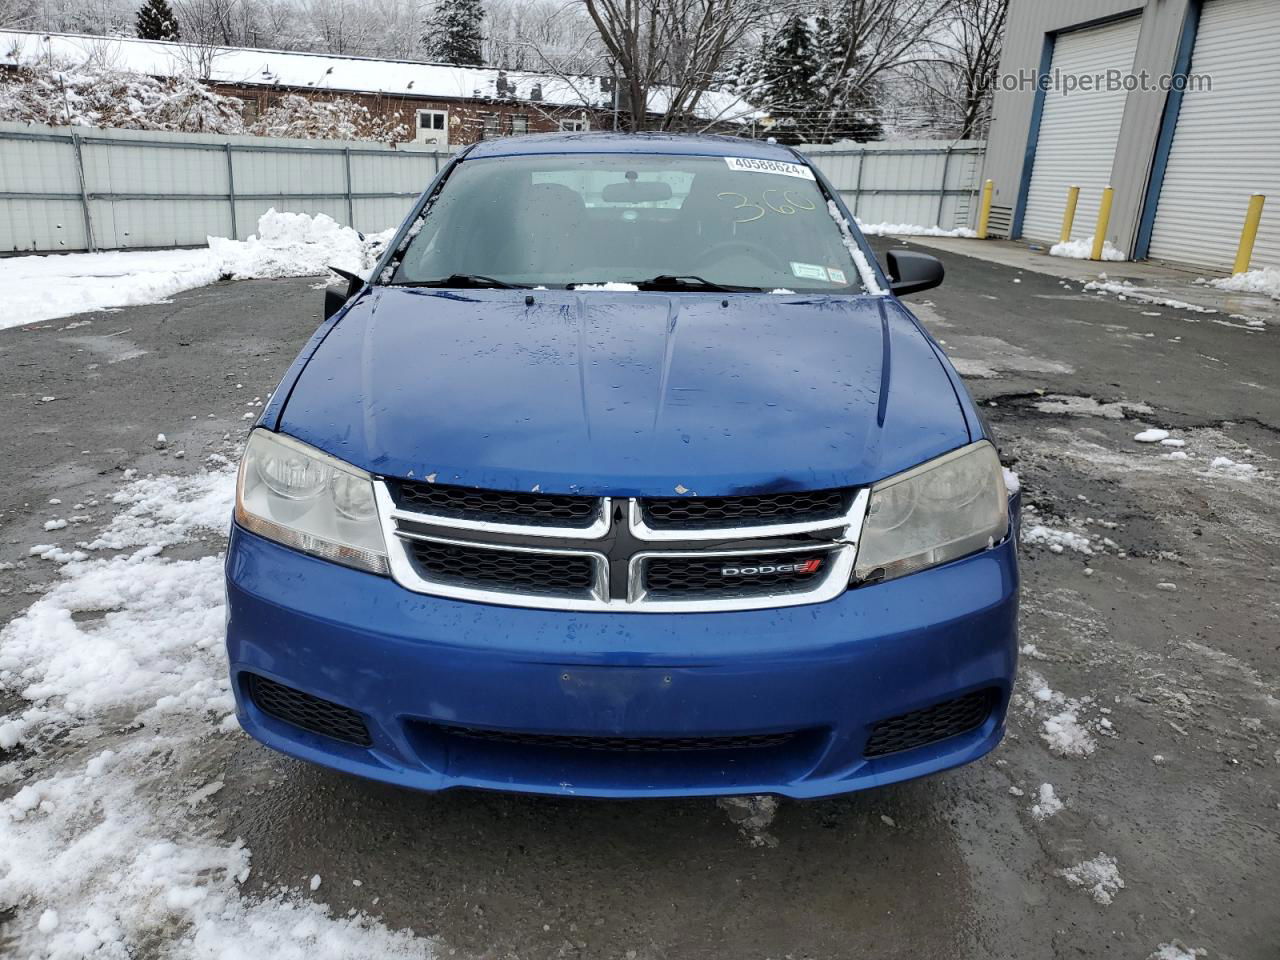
841	546
642	531
599	527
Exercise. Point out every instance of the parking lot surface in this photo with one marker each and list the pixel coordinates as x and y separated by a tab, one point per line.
1147	701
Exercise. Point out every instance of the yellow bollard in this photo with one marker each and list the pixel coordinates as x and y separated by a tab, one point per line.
1254	217
1069	216
1104	221
984	218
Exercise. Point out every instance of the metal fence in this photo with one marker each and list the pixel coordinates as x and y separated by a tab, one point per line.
65	189
95	189
921	182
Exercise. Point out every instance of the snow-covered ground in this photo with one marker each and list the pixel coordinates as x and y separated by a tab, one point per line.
40	288
121	670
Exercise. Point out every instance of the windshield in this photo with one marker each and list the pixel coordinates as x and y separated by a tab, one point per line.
678	222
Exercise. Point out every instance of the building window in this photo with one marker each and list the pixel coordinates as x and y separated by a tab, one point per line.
431	119
519	124
491	125
575	126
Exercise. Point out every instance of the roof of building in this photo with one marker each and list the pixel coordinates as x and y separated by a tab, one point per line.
338	73
653	142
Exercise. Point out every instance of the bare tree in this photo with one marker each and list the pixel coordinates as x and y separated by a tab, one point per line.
669	53
956	84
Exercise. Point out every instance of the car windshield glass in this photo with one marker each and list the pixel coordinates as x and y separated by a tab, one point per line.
663	222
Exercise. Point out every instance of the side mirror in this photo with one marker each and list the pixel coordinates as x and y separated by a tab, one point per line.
336	297
911	272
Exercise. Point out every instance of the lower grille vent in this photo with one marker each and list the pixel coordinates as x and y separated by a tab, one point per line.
622	744
307	711
920	727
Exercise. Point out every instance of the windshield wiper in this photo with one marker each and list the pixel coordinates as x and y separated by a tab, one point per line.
668	281
690	282
463	280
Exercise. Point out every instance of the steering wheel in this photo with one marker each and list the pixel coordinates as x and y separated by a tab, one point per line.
720	251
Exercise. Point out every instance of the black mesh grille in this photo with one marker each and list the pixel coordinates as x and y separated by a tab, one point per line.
920	727
495	506
541	573
623	744
743	575
675	513
310	713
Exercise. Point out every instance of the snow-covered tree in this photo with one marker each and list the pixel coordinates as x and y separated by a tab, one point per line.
157	21
336	119
788	85
454	32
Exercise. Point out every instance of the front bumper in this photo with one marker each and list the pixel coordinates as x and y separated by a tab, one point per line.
420	670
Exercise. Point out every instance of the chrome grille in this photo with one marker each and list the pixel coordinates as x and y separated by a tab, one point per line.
619	561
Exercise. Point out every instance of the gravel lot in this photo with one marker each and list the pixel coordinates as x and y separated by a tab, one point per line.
1148	697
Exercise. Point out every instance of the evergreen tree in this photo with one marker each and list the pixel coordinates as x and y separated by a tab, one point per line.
156	21
453	32
789	81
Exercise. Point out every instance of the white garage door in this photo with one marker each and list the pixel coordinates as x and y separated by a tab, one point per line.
1079	130
1226	146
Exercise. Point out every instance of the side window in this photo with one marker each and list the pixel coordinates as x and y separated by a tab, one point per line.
431	119
519	124
574	126
491	127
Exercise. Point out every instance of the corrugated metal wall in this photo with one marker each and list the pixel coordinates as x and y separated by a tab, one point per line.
924	182
1226	146
77	189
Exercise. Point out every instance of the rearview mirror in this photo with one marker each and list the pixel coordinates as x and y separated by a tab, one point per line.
911	272
335	297
636	191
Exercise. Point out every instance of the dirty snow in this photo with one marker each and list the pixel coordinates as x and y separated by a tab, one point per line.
911	230
1225	465
1089	407
1265	281
44	288
1099	876
1177	951
1150	295
1056	540
1066	736
1151	435
1048	804
753	816
1083	250
1012	482
98	853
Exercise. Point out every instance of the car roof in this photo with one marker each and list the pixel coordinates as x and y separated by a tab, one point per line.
659	143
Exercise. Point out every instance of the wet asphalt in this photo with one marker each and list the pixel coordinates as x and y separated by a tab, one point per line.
955	866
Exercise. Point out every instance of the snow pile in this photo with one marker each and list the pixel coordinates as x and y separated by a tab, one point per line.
98	852
911	230
869	281
1049	803
295	245
1012	482
286	245
1265	281
1056	540
1083	250
1099	876
1152	435
1066	735
310	118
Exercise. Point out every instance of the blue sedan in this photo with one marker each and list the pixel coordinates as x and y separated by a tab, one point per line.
628	474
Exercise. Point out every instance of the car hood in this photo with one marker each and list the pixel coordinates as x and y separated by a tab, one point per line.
641	394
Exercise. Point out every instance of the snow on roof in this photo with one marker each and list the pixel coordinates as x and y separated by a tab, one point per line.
340	74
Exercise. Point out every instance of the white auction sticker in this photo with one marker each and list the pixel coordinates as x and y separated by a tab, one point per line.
809	271
754	165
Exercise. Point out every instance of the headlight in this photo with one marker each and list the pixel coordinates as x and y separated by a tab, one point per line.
298	496
936	512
